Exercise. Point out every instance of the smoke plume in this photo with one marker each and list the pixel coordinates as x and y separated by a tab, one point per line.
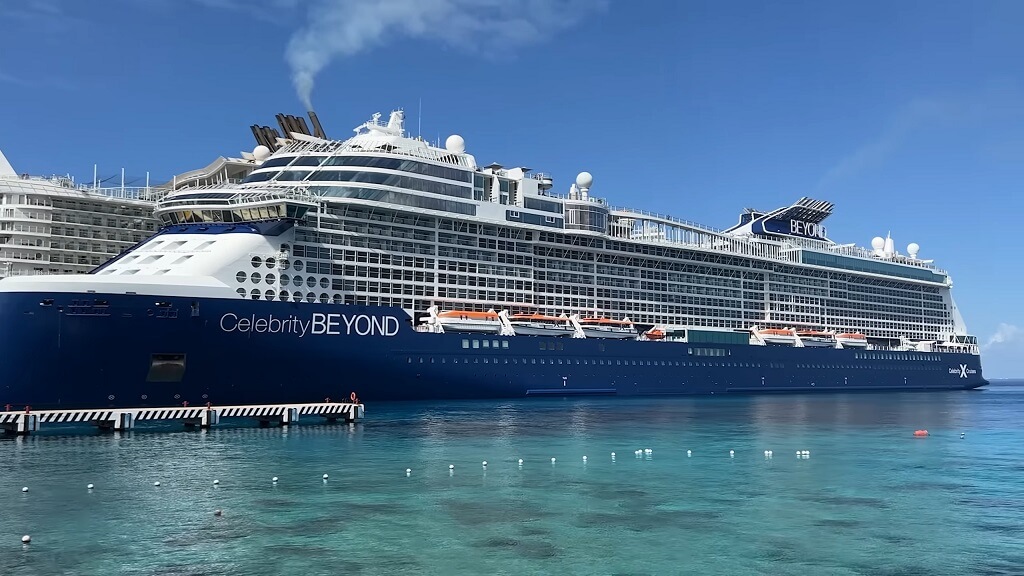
339	28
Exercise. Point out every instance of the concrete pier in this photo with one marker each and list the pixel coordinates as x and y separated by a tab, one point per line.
28	421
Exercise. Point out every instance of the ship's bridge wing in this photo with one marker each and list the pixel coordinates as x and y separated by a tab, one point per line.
803	218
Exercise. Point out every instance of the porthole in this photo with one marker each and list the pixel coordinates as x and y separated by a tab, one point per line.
255	294
241	292
325	299
297	296
297	265
337	299
311	282
285	264
271	262
325	283
241	276
269	294
255	277
284	295
284	279
311	297
270	278
256	261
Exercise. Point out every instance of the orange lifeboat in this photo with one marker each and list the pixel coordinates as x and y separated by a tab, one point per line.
469	321
540	325
469	315
655	334
816	339
605	322
777	336
920	433
852	340
607	328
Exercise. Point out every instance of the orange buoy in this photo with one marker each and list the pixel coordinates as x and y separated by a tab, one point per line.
920	433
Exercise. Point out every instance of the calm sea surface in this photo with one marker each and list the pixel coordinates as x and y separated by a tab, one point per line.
870	499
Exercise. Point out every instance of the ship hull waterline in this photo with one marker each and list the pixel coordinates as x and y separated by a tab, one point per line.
107	350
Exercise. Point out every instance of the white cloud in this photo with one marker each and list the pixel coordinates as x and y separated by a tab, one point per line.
1005	334
910	118
338	28
9	79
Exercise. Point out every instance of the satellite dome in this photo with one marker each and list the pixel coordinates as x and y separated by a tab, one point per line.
913	248
260	152
455	143
878	242
584	180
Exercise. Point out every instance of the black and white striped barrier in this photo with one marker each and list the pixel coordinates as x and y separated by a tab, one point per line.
203	417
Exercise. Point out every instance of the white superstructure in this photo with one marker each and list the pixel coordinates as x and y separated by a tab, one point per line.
387	219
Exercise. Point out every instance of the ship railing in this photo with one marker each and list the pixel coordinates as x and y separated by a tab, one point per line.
23	272
376	146
623	211
59	185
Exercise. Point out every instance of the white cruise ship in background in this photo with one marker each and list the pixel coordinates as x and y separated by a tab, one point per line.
53	225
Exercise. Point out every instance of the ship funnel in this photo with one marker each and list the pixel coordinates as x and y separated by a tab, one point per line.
318	130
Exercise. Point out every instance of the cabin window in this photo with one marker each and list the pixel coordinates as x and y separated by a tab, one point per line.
465	343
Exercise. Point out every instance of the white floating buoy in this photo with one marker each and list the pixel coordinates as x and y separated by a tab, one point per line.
274	479
484	463
613	454
325	476
962	435
156	483
771	453
215	482
689	453
88	487
552	460
520	461
26	539
217	512
648	451
584	458
732	453
24	489
408	471
451	466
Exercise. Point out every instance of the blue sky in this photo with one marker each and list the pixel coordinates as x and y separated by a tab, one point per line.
908	115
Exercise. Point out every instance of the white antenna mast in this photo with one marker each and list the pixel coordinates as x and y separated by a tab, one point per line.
419	121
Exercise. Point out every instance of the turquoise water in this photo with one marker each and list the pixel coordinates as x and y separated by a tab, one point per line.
870	499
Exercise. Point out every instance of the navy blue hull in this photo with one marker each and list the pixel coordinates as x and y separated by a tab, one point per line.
69	350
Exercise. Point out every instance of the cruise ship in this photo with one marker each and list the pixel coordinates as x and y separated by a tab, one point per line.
387	266
55	225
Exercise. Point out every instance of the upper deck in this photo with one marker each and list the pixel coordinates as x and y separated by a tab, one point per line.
382	165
